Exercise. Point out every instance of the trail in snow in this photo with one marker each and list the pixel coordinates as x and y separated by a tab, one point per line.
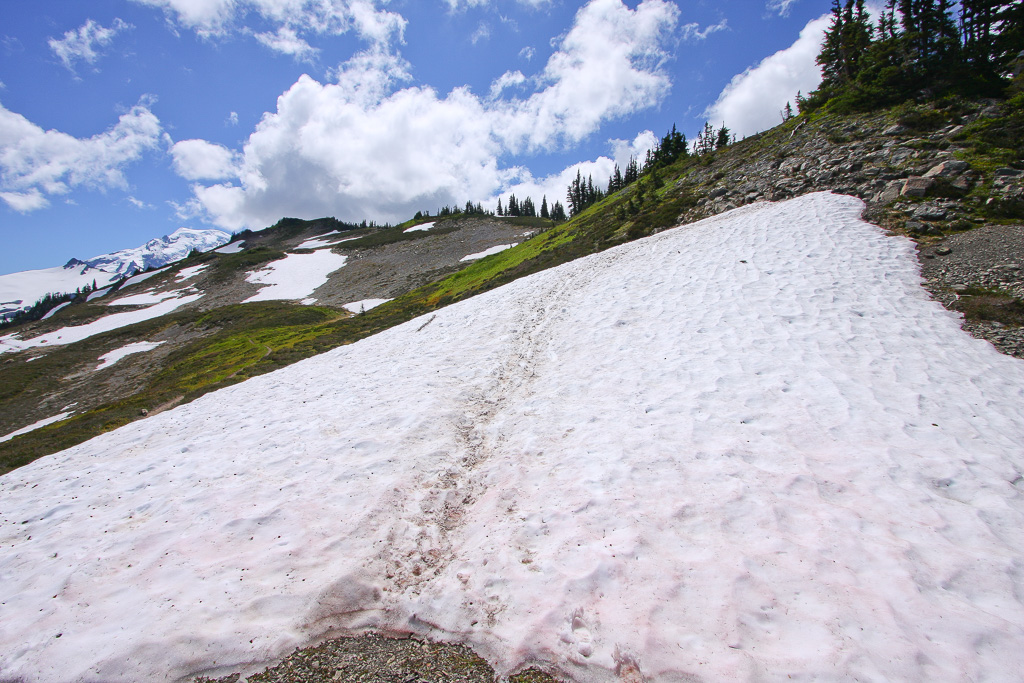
748	448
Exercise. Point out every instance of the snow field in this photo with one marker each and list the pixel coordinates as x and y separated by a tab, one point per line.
745	449
190	272
31	285
35	425
50	313
142	277
364	305
487	252
295	276
97	294
70	335
422	226
150	297
111	357
231	248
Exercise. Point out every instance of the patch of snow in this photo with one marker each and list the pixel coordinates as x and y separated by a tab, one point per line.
22	290
308	302
364	305
422	226
97	294
748	447
488	252
56	308
232	248
112	357
161	251
141	277
149	297
295	276
191	272
318	241
35	425
70	335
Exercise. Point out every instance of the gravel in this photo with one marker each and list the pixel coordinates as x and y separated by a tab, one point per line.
989	257
373	657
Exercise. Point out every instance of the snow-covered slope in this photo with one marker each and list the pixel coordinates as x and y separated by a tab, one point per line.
749	448
161	251
22	290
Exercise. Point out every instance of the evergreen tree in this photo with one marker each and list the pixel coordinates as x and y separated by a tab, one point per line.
557	212
722	139
501	212
544	207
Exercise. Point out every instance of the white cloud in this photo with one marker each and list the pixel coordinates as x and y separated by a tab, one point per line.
752	100
636	148
24	202
35	163
83	43
139	204
202	160
286	41
509	79
780	7
527	53
294	20
608	65
232	119
695	32
357	148
483	32
555	185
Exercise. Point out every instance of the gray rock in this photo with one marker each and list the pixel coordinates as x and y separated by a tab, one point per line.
916	187
1007	172
947	169
894	129
929	212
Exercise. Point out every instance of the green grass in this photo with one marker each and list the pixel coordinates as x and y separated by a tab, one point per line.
990	305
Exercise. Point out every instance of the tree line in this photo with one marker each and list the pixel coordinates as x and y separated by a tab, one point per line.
916	48
582	192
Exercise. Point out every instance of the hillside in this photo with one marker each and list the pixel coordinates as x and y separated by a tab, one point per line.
947	175
726	451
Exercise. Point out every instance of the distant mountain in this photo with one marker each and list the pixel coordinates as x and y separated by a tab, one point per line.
159	252
19	291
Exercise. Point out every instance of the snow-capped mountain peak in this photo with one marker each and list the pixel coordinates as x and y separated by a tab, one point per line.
160	251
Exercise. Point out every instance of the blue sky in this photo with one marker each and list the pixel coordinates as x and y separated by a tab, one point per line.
122	120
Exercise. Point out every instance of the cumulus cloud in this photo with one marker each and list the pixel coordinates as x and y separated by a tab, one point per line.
358	148
294	19
527	53
608	65
752	100
202	160
84	43
35	163
637	148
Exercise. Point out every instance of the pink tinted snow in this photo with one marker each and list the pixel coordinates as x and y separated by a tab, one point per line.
745	449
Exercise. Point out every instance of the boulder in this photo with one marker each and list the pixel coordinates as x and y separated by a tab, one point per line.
916	187
947	168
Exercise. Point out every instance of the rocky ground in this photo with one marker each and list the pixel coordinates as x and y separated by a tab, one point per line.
380	659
